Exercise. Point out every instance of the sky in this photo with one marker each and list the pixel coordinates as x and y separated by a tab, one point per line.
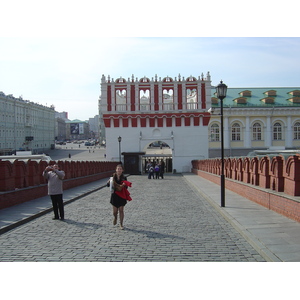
56	55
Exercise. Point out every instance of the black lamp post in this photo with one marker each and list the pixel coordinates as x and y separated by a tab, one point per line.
221	94
119	140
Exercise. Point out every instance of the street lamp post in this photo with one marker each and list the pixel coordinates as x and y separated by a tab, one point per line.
119	140
221	94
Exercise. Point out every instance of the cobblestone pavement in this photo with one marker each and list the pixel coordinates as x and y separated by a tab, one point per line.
167	220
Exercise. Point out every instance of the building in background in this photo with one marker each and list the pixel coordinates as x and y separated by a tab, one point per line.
77	130
25	125
60	130
256	119
60	126
94	128
62	115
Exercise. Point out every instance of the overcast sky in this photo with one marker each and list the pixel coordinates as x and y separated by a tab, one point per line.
57	54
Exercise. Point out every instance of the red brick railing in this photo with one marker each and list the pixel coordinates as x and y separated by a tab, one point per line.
272	181
21	181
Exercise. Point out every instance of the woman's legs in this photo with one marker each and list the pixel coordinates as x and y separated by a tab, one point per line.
115	213
121	210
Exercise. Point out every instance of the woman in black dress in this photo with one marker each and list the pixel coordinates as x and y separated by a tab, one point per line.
118	202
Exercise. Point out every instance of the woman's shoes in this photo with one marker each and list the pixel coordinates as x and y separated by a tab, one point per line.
121	227
115	221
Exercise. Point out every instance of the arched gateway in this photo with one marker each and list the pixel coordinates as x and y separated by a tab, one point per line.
144	111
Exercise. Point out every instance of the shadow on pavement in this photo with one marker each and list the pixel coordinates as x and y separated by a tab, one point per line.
82	224
153	234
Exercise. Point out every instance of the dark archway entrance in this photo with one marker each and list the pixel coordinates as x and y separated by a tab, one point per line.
156	158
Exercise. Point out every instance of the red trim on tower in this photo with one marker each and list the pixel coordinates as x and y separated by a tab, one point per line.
156	107
132	98
179	96
205	116
196	120
143	122
106	123
125	122
203	96
169	121
160	122
134	122
116	123
187	121
152	122
109	98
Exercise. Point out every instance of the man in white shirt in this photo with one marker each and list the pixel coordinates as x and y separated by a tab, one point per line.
55	177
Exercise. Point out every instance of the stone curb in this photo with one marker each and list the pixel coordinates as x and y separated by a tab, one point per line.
251	239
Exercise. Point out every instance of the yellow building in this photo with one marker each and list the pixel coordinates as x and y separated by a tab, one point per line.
255	119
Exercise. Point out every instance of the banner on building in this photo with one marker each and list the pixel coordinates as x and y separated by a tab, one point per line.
81	130
74	128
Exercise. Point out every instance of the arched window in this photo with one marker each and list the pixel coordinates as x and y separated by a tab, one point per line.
277	131
144	100
236	132
191	98
121	100
256	132
297	131
168	99
215	133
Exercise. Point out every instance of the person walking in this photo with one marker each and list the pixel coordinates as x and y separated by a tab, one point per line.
156	169
150	172
54	177
119	198
162	169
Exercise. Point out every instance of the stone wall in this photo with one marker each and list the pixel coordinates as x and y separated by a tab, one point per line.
21	181
271	181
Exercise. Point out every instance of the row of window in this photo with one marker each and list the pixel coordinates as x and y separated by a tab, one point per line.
256	132
168	96
12	145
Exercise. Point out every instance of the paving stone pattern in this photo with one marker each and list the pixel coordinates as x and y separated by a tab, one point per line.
167	221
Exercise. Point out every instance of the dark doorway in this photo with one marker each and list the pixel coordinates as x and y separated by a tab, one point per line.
132	162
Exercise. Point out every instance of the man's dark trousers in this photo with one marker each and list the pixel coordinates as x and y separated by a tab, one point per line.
58	205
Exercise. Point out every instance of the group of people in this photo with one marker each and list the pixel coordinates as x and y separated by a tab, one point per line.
155	168
118	185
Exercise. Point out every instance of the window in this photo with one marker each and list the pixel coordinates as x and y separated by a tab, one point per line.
144	100
215	133
191	100
167	99
297	131
236	132
121	100
277	131
256	132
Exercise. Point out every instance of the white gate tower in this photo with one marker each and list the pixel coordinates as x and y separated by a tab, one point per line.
142	111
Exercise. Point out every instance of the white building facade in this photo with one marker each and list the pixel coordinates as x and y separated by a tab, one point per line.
169	110
256	119
25	125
